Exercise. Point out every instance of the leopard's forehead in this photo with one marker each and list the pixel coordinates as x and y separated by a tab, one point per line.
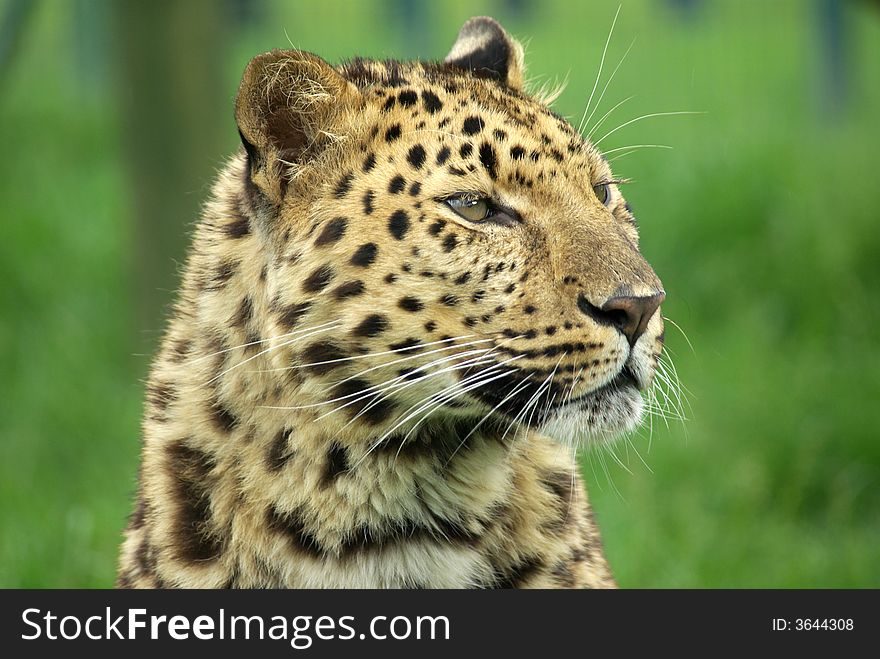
468	110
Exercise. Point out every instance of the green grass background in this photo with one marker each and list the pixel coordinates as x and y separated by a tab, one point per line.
762	221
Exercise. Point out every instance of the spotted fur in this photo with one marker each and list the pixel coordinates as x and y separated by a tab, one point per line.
361	388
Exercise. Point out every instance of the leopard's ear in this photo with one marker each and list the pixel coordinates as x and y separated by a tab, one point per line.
287	106
484	48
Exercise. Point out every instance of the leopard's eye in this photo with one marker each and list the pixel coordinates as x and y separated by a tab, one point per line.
603	193
470	208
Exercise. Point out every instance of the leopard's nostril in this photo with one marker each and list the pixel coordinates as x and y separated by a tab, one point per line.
630	314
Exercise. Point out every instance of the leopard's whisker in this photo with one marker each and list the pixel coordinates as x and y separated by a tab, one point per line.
608	114
260	341
400	383
641	118
486	416
423	406
671	382
374	354
601	66
267	350
366	392
482	380
678	327
636	147
450	387
415	356
607	83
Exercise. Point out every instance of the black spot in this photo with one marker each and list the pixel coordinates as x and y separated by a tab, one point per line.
450	242
364	402
466	150
416	156
244	314
463	278
390	102
408	98
322	357
457	171
348	289
190	470
430	326
369	163
279	451
499	134
529	309
410	304
478	295
223	419
337	463
318	280
517	153
392	133
560	485
443	155
472	125
139	514
239	228
415	189
343	186
432	102
124	581
450	300
410	373
145	557
180	349
372	325
487	158
563	575
390	278
365	255
470	321
368	197
518	574
293	526
224	273
160	395
333	231
436	227
398	224
396	184
407	346
288	316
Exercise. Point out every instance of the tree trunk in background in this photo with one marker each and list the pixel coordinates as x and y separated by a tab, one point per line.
174	115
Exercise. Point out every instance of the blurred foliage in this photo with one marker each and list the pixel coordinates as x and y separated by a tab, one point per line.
762	222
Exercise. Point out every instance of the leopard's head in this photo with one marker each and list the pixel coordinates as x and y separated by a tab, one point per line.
445	246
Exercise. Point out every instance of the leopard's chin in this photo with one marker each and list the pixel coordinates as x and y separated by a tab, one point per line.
600	416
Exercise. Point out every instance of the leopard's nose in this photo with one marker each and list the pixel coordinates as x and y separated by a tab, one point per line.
628	313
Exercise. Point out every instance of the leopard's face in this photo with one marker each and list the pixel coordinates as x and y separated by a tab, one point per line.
456	250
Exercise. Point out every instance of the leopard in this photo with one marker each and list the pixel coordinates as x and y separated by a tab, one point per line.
414	292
